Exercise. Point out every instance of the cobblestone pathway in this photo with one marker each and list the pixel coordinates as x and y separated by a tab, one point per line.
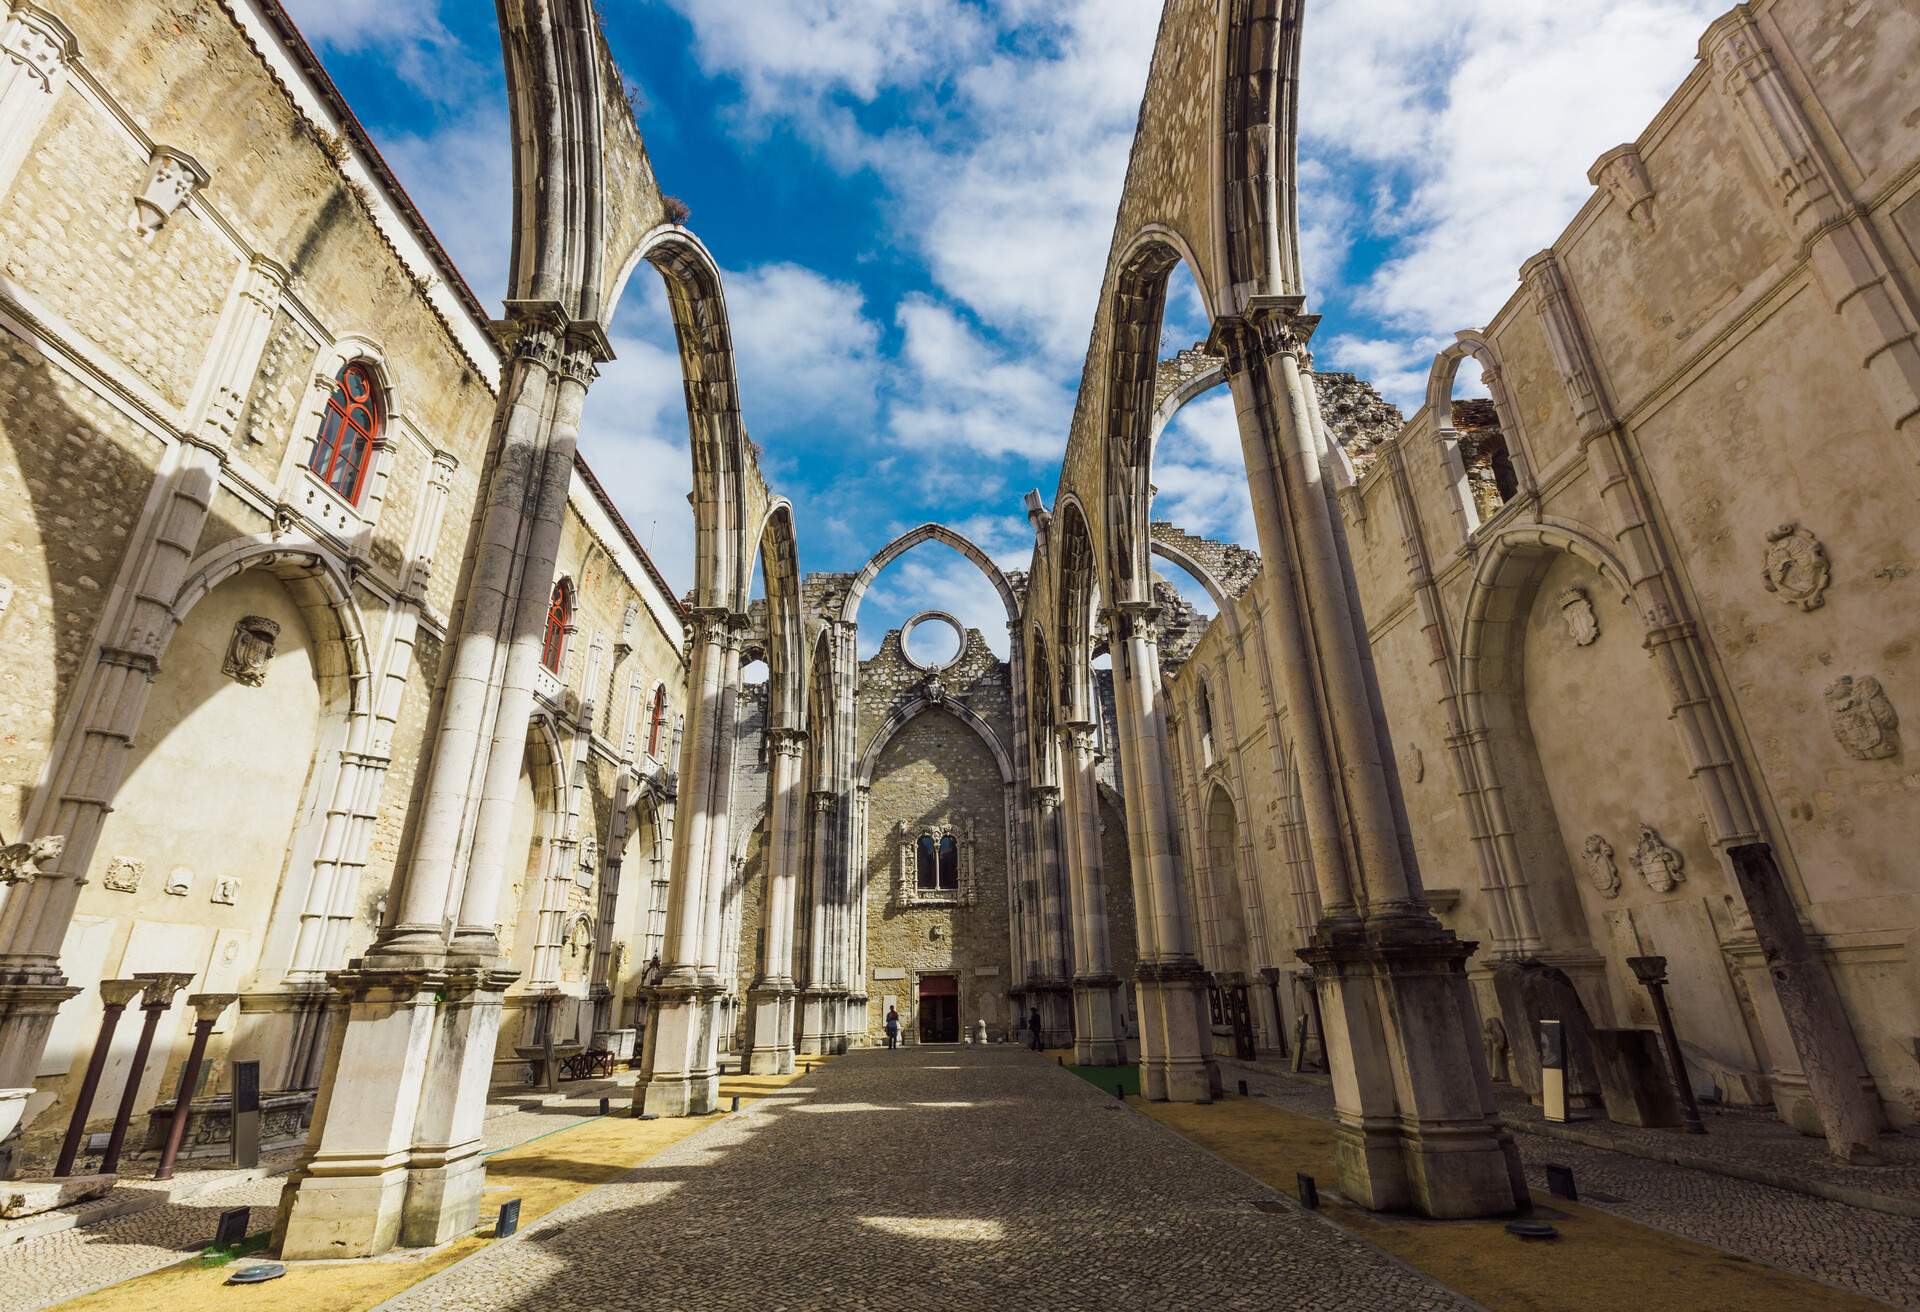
42	1272
1869	1252
932	1178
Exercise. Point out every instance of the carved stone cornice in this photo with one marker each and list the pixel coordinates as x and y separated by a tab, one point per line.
38	42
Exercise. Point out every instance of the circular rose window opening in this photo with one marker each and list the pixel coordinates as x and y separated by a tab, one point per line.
932	650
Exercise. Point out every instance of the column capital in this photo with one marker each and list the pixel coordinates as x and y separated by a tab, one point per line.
1126	620
788	742
822	801
1270	326
1047	796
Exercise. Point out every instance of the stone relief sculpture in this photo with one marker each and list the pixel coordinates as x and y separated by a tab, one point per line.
589	861
124	874
1796	567
179	881
1416	763
250	650
1863	719
1577	610
226	890
172	176
1602	873
20	862
1657	863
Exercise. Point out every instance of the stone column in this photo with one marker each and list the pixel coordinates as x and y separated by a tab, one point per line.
88	765
1048	987
1417	1124
1096	990
813	998
679	1078
770	1049
1483	802
1175	1061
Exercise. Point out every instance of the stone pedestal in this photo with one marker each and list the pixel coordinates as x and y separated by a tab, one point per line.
813	1040
1175	1064
1097	1022
347	1198
769	1030
684	1080
446	1168
26	1019
1417	1124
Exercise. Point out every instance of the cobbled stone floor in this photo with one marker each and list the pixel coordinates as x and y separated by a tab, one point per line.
932	1178
41	1272
1869	1252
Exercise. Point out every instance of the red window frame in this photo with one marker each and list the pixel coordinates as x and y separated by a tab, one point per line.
349	426
658	723
559	616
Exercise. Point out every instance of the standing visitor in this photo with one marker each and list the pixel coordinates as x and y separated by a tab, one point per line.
1033	1028
893	1027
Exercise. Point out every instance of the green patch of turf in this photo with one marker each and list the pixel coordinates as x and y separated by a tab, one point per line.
221	1254
1105	1078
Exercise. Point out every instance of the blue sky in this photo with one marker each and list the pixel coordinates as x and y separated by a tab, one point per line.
913	200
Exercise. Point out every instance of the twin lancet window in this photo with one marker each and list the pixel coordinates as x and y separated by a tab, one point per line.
350	425
939	864
936	865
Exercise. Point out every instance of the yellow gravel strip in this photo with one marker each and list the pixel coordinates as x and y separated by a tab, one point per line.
542	1173
1600	1263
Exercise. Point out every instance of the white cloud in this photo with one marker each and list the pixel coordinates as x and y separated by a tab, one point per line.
461	177
1480	118
1200	474
804	346
962	393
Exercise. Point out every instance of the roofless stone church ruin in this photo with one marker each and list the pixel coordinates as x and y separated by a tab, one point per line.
355	750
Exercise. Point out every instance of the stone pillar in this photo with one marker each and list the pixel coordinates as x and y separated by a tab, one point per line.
1175	1059
680	1077
88	764
1097	1027
1417	1124
770	1048
814	1021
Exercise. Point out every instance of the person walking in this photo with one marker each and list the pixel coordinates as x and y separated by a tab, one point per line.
1033	1028
893	1027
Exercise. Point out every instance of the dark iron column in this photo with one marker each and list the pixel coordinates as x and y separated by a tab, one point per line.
115	994
1652	971
159	988
207	1008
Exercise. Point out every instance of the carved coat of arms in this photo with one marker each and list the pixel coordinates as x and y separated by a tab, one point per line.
1657	863
1601	870
1577	609
1796	567
1863	719
250	650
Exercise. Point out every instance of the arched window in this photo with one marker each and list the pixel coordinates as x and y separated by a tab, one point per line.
1206	726
949	863
929	875
343	449
559	619
657	721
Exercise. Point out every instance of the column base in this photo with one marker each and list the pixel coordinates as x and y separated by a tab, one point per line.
1176	1064
1096	1022
447	1168
1398	1015
769	1030
683	1079
348	1197
814	1040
